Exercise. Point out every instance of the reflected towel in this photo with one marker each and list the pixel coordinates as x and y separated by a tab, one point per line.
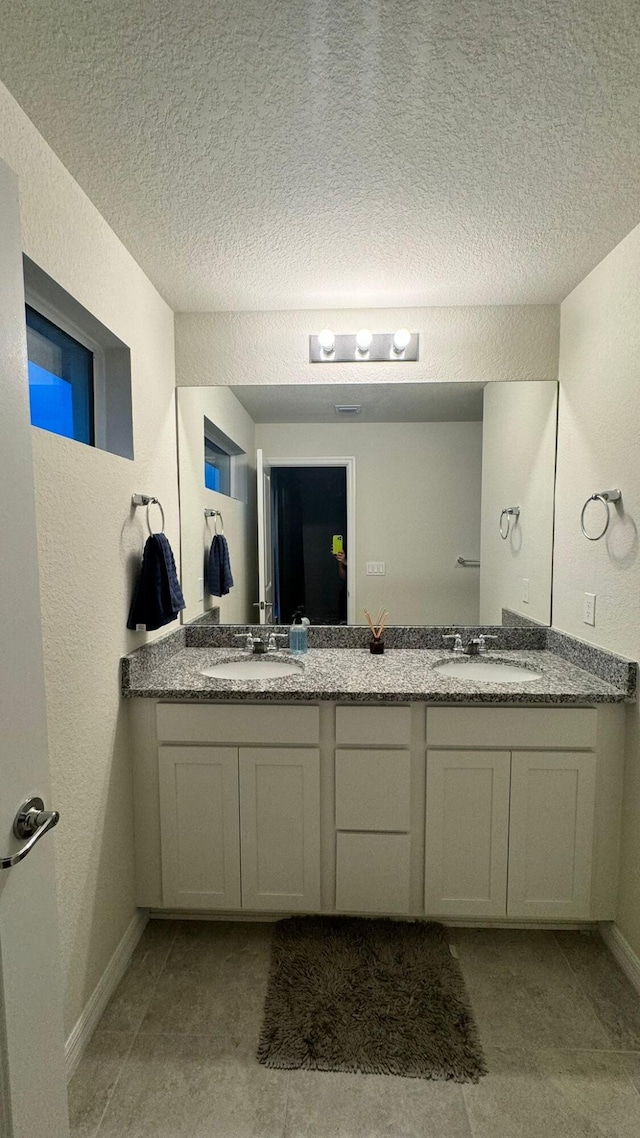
219	579
158	597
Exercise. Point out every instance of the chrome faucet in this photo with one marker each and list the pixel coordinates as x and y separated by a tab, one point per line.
477	646
256	644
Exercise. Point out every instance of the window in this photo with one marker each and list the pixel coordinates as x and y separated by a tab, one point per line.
220	462
217	468
79	372
60	380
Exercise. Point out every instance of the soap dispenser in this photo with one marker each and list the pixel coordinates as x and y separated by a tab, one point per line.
298	634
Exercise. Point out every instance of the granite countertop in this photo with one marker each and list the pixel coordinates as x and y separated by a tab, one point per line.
356	675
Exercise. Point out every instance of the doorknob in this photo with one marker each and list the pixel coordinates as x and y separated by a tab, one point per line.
31	822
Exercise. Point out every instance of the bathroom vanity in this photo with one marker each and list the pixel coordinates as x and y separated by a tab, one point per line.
378	786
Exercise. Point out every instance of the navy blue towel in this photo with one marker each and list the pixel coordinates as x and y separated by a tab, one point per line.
158	597
219	579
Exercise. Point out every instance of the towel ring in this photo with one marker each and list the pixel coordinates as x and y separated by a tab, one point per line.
509	512
150	503
605	497
215	514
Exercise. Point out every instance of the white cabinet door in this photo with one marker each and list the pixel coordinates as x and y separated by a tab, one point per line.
467	833
200	827
280	813
551	840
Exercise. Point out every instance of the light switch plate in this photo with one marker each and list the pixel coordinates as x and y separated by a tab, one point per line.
375	568
525	590
589	608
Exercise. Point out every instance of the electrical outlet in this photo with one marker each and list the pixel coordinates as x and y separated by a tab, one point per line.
525	590
200	588
589	608
375	568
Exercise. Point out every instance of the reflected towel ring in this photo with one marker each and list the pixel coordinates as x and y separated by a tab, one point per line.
509	512
150	503
215	514
605	496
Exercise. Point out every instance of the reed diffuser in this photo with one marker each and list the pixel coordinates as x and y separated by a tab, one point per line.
376	644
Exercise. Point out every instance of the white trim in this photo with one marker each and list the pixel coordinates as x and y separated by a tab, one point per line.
103	991
622	951
349	464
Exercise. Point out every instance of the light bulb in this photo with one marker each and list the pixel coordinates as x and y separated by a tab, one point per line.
363	340
327	341
401	340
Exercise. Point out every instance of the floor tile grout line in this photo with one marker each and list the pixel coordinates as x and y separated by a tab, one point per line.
113	1089
135	1035
286	1106
467	1112
584	991
154	985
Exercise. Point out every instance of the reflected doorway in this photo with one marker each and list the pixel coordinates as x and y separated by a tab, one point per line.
309	519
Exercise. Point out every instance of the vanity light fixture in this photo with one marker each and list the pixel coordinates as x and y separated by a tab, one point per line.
401	340
363	340
364	346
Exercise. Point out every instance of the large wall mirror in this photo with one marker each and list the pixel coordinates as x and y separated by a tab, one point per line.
333	498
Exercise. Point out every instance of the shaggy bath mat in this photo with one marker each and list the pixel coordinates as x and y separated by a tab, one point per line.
376	996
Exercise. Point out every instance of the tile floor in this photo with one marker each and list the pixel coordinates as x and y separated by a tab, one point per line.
173	1056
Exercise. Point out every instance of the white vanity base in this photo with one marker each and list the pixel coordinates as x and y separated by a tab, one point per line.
478	815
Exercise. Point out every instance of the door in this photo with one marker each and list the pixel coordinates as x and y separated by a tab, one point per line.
467	833
551	836
32	1070
264	604
200	827
280	828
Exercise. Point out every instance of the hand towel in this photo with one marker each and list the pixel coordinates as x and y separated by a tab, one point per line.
158	597
219	579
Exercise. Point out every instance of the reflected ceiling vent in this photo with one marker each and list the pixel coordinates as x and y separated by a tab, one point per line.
348	408
364	346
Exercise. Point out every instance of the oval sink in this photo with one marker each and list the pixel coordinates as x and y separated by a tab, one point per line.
256	668
486	672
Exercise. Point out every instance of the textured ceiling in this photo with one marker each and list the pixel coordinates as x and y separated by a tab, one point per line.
378	402
261	154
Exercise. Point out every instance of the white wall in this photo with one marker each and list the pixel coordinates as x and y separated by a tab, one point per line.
417	508
89	548
487	344
599	449
518	469
222	409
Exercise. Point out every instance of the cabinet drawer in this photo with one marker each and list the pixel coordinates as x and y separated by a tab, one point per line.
372	873
237	723
372	790
364	726
512	728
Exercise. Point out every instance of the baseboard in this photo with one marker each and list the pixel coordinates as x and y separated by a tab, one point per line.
465	923
102	993
619	948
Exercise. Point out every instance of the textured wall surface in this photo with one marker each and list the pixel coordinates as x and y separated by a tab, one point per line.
276	154
485	344
417	508
518	469
89	549
598	450
222	409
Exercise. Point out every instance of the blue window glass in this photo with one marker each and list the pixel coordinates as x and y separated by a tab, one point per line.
211	476
217	467
60	380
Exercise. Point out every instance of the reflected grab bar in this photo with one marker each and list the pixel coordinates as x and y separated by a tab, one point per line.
468	562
